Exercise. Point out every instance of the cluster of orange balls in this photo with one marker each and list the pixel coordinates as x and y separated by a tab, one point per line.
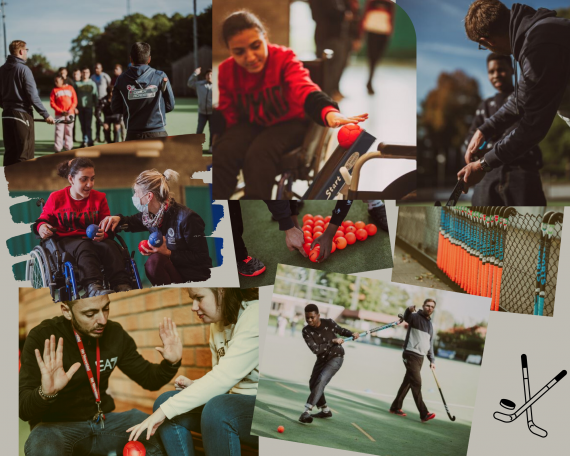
348	233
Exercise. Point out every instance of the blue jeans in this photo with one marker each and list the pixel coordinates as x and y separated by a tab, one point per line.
224	421
320	378
82	438
86	119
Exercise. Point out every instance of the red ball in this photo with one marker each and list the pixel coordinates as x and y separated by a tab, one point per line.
307	247
338	234
314	255
359	225
319	223
281	429
350	238
371	229
350	229
317	234
307	217
309	222
307	233
308	228
341	229
340	243
361	235
333	247
145	245
348	134
134	448
318	217
327	218
308	239
326	225
347	223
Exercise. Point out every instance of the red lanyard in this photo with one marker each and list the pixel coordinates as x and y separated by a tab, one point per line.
94	387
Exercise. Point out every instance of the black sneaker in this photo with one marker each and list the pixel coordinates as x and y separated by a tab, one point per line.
378	214
322	414
429	416
398	412
250	267
306	418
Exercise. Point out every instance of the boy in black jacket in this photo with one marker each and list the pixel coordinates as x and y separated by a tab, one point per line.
57	394
319	335
540	42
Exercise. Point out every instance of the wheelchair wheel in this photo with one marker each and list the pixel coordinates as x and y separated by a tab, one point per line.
38	270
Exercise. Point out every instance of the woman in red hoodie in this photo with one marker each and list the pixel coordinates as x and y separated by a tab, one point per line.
70	211
264	95
63	100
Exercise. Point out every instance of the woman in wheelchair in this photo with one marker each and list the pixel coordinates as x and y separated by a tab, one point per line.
66	215
183	255
265	94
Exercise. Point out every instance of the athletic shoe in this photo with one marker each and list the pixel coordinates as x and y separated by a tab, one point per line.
322	414
250	267
398	412
306	418
378	214
429	416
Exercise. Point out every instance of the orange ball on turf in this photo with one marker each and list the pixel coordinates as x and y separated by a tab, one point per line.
347	223
309	222
327	218
281	429
307	233
307	217
338	234
307	247
361	235
319	223
341	228
308	228
326	225
359	225
314	255
318	217
308	239
350	238
333	247
350	229
340	243
316	234
371	229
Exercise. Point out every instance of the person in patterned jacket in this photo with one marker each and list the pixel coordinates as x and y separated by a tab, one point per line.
320	337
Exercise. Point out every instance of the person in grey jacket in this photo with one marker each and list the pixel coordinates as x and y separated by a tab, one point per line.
418	343
18	95
204	92
103	82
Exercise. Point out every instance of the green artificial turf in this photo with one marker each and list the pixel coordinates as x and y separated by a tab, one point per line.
265	242
361	393
182	121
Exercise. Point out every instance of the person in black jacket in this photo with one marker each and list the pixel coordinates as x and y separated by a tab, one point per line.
18	94
540	42
518	183
109	120
320	337
418	343
56	395
184	255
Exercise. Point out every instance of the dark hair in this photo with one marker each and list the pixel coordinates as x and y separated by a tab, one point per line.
64	169
311	308
58	76
507	59
60	69
86	68
230	300
238	22
487	18
76	70
209	70
140	53
430	300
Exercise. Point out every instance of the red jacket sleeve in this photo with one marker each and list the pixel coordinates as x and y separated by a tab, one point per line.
297	78
226	103
47	215
52	102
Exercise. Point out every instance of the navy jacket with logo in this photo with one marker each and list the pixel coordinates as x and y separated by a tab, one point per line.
138	96
419	340
76	401
184	232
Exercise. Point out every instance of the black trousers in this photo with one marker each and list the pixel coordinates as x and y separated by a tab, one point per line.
134	135
19	140
204	119
90	255
509	186
376	45
320	377
413	381
258	151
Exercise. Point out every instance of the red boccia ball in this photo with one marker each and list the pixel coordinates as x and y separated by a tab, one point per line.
134	448
348	134
347	223
359	225
350	238
327	218
350	229
361	235
338	234
340	243
333	247
314	255
307	247
307	217
281	429
145	245
371	229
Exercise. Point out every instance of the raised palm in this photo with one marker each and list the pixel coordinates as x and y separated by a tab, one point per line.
54	377
172	350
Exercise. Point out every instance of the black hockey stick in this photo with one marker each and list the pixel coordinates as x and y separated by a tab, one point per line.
452	418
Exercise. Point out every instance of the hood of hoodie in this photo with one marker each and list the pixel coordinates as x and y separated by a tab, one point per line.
140	74
523	17
12	62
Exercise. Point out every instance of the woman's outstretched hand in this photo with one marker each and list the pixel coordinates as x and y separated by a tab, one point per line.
150	424
182	382
336	119
109	222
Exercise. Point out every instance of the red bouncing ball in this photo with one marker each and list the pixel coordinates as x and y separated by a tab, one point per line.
333	247
317	234
308	238
314	255
134	448
359	225
307	248
319	223
371	229
340	243
309	222
308	228
307	217
350	229
341	228
327	219
145	245
347	223
338	234
319	217
350	238
348	134
307	233
281	429
326	225
361	235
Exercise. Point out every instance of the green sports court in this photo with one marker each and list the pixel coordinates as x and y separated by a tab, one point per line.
359	396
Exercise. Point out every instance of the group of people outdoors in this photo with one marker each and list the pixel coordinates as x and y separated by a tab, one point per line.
130	105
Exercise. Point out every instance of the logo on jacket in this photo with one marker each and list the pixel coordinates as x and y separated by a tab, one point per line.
108	364
171	236
137	94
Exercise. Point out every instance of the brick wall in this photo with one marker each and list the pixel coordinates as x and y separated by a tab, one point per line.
139	312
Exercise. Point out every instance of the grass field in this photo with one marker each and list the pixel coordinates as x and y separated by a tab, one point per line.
264	241
360	396
181	121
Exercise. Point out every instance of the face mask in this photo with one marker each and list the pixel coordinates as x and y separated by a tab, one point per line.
137	203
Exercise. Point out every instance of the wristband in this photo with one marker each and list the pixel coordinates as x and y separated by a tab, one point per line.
47	396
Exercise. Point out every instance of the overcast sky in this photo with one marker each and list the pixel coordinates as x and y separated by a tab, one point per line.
443	45
48	26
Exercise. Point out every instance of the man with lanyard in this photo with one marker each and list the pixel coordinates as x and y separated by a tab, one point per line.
143	96
418	343
67	406
18	94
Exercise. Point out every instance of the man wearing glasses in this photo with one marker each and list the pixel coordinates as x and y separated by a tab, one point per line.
540	44
18	94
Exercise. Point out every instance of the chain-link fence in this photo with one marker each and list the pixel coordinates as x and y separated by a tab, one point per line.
508	254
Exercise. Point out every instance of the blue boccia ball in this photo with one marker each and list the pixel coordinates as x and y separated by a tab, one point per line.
155	239
91	231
